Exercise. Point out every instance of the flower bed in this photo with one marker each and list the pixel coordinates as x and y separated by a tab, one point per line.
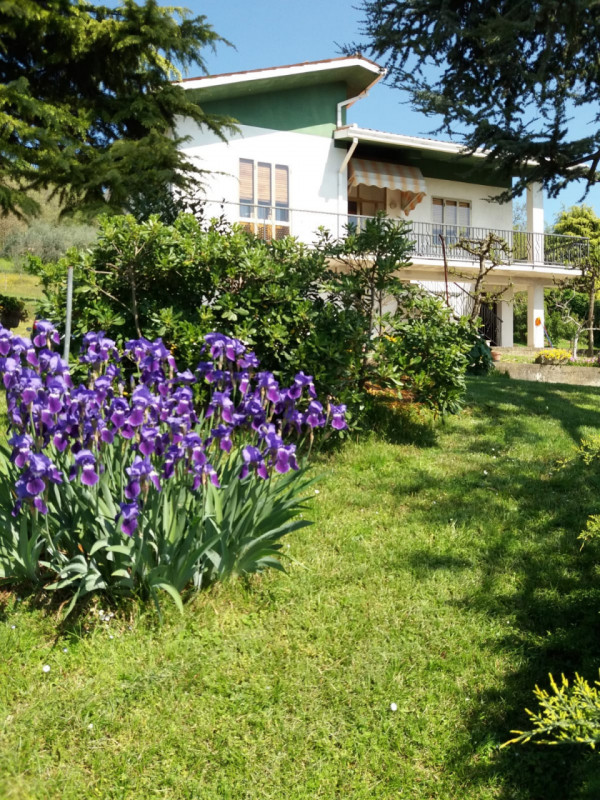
564	358
122	484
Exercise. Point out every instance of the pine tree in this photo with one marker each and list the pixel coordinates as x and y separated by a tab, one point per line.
504	75
87	101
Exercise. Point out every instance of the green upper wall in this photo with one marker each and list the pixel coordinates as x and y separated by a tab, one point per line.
306	109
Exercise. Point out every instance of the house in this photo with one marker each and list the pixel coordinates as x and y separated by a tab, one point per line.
298	164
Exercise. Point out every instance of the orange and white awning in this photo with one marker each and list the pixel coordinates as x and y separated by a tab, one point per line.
408	181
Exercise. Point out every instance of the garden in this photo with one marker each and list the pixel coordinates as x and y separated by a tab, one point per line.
441	581
232	547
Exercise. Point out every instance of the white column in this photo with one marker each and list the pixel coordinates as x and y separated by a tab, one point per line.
535	313
506	315
535	222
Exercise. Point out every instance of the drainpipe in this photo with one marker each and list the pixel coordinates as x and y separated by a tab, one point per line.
347	103
349	154
341	173
352	100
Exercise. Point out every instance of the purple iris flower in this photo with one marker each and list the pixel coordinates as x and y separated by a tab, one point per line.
140	472
21	453
97	348
285	458
218	344
45	333
129	514
32	483
314	417
338	420
6	338
185	377
85	461
249	361
266	381
222	433
253	458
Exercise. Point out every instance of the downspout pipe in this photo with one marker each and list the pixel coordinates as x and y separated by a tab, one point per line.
349	154
351	100
341	173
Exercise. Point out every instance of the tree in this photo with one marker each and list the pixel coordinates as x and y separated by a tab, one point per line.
507	76
87	102
490	252
582	221
370	256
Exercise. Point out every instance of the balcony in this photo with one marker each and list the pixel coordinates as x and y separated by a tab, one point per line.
542	249
526	249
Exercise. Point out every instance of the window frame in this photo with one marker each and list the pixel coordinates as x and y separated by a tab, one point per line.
458	201
259	214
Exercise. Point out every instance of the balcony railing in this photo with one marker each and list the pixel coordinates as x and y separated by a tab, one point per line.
548	249
537	249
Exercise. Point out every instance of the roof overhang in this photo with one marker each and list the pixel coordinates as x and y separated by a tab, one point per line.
398	140
355	71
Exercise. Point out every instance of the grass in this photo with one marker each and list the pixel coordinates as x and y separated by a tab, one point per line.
15	283
425	582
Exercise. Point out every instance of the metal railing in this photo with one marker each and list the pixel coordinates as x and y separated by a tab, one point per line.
520	247
537	249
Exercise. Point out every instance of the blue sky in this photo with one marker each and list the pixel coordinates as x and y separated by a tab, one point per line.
268	33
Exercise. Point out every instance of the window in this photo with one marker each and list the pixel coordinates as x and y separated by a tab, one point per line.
264	198
365	203
455	213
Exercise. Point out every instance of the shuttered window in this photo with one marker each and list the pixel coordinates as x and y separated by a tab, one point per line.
263	172
282	193
246	187
451	212
265	198
272	184
464	214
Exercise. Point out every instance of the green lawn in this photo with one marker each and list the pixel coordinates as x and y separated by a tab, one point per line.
15	283
443	574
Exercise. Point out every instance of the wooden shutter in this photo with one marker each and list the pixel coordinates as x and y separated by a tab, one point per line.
438	211
282	189
246	180
264	184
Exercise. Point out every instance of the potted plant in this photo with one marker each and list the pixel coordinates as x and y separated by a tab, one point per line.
12	311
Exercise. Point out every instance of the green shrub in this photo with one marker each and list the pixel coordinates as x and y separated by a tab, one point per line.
12	311
281	298
480	361
566	714
426	351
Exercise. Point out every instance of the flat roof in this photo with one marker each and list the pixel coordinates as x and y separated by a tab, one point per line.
357	72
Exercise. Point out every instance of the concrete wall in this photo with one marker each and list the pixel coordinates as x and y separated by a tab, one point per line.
551	373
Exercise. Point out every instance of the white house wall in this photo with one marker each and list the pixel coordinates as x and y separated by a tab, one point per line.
484	214
314	163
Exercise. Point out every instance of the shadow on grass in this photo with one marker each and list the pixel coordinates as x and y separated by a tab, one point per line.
498	395
553	602
403	423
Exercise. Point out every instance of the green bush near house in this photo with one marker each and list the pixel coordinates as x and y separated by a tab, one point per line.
180	281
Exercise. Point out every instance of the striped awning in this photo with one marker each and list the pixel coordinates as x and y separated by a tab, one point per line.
408	181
